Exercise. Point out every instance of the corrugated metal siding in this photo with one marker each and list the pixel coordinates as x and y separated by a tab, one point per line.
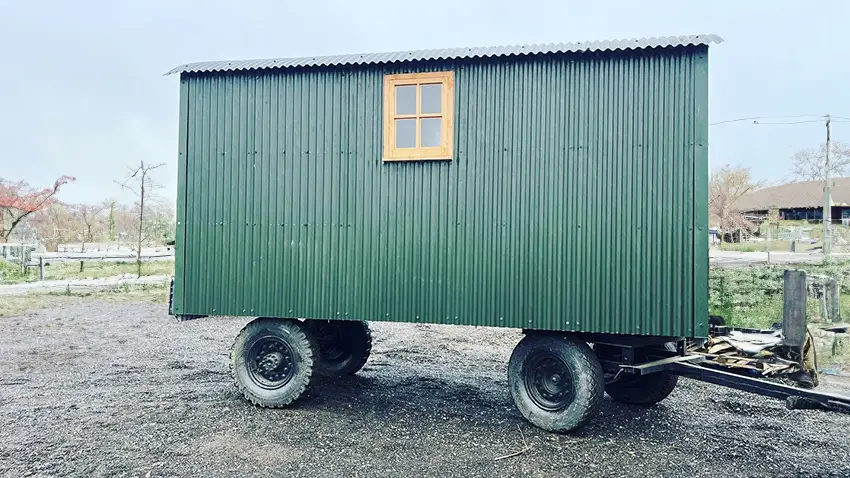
570	204
449	54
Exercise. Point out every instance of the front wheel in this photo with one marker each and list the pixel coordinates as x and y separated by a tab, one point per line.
272	361
556	382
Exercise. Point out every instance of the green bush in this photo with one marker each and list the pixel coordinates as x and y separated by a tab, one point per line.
11	272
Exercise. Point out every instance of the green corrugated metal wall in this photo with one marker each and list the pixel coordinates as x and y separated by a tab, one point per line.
577	198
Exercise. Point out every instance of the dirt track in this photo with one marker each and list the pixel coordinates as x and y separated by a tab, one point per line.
101	389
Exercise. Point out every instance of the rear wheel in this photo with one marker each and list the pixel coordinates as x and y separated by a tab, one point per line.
344	346
272	361
556	382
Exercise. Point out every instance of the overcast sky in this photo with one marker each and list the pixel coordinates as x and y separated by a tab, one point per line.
83	92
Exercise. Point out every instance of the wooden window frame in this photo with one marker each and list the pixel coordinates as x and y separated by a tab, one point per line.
418	153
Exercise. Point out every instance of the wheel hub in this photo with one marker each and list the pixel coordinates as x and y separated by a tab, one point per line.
270	362
548	381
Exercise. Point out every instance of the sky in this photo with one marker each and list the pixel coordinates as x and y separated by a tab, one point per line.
83	90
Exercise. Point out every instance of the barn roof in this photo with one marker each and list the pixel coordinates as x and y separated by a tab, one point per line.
448	54
803	194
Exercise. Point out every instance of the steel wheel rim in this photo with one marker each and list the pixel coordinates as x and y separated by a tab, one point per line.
548	381
271	362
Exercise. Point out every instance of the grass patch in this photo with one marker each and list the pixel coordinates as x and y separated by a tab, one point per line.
10	272
836	359
752	296
772	246
20	304
91	270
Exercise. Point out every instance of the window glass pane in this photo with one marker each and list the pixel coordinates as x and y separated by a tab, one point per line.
405	133
432	132
432	98
405	100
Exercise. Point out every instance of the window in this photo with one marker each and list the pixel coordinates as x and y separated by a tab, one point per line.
418	109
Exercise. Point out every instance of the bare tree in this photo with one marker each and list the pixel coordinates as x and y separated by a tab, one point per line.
809	164
140	183
55	225
110	205
89	220
727	185
160	224
18	200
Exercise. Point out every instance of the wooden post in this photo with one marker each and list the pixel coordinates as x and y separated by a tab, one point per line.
794	312
82	265
833	303
40	267
827	198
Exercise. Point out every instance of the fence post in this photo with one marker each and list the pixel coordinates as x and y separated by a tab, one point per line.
794	312
40	267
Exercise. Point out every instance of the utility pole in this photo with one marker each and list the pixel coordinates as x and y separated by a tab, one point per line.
827	205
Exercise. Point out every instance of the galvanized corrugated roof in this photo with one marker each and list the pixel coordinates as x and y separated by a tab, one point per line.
803	194
447	54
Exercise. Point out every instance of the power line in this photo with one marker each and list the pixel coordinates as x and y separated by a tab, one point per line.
788	122
734	120
755	118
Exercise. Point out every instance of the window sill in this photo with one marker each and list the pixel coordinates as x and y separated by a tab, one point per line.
418	158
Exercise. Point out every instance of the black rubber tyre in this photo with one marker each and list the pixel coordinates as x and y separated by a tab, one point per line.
344	346
643	390
556	382
272	361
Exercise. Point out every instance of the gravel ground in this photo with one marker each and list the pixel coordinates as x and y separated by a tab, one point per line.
103	389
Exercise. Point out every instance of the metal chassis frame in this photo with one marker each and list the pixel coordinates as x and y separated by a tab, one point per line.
688	366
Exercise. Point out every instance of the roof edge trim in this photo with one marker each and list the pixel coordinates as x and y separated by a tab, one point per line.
447	54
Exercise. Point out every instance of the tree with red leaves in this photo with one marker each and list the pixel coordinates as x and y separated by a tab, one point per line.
18	200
